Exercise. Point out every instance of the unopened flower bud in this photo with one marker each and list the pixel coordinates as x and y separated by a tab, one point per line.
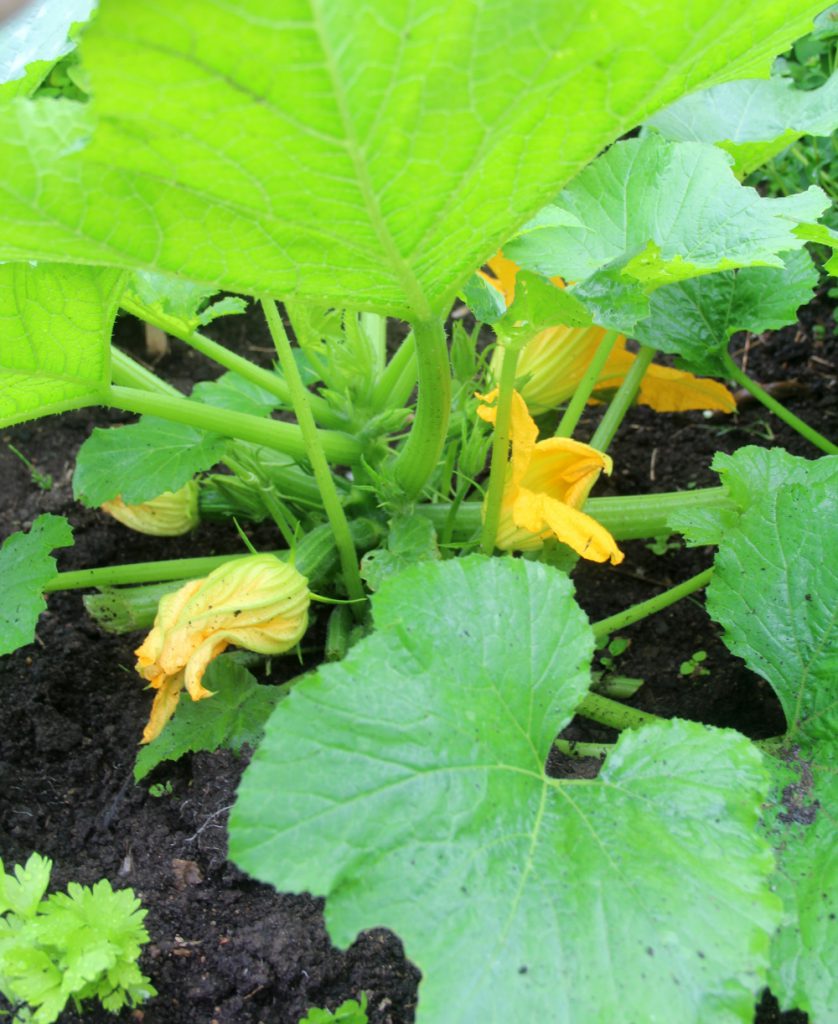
257	602
168	515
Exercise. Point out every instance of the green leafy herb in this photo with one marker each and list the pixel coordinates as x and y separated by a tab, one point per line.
78	945
349	1012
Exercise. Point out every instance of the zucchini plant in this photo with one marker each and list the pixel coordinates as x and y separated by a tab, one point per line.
371	167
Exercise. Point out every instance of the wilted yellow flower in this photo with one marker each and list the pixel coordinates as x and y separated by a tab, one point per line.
257	602
547	484
168	515
663	388
553	362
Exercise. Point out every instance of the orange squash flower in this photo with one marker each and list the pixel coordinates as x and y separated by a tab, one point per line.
547	484
552	363
257	602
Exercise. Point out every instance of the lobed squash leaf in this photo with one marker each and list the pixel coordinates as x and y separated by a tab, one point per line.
26	566
695	319
233	716
696	219
407	785
801	823
372	160
55	329
775	592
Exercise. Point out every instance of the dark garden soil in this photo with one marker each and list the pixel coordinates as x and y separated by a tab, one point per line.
224	949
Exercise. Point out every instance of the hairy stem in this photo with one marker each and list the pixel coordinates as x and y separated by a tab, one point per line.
621	402
316	454
142	572
584	390
613	713
576	749
779	410
283	437
418	459
643	609
128	373
270	382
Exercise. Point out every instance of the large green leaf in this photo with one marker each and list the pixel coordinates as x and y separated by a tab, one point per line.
407	785
371	157
34	39
695	319
775	592
663	212
801	823
55	327
750	111
26	566
144	459
752	120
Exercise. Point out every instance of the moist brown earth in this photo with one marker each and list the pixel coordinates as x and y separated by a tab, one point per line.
225	949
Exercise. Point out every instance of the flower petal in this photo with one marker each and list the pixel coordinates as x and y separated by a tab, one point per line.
664	388
165	701
579	531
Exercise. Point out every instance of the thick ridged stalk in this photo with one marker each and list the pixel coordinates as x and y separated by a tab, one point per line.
636	517
419	458
500	449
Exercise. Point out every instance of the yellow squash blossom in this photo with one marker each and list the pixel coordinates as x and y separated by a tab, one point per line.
257	602
547	484
553	362
170	514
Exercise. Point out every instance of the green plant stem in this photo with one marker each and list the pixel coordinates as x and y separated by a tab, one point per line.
614	714
621	402
639	611
396	383
142	572
634	517
500	449
128	373
418	459
585	388
266	379
779	410
316	455
574	749
375	327
284	437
